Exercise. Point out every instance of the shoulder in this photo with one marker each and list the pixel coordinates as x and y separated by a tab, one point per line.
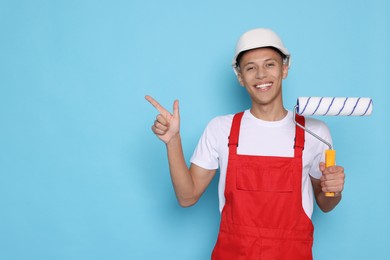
317	126
222	121
313	144
218	128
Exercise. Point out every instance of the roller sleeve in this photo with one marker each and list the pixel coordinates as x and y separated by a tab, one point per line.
334	106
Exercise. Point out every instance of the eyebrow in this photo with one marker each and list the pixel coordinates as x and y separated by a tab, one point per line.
252	62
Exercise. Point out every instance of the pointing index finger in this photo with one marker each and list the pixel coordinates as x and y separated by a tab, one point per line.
157	105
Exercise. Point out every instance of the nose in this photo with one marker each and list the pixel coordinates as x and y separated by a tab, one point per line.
260	73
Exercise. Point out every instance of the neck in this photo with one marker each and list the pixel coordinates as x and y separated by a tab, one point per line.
269	113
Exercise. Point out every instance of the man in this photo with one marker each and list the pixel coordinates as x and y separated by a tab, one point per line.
270	170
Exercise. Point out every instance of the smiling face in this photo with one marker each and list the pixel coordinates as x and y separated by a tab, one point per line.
261	73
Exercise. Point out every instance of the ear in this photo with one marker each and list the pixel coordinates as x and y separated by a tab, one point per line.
239	77
285	70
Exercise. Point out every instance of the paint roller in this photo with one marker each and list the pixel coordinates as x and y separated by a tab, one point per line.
331	106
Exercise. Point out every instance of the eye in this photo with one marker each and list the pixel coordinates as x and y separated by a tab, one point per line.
270	65
249	68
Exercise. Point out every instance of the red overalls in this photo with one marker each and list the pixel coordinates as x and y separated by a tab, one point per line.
263	217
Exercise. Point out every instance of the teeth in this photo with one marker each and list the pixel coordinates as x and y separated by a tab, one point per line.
263	86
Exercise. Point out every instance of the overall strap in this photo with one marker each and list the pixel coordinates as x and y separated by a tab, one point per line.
234	133
299	143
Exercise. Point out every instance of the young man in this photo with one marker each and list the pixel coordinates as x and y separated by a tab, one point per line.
270	170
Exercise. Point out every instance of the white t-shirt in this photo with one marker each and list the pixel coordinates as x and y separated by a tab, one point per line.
266	138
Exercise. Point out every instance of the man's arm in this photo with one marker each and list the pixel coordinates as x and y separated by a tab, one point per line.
189	183
332	180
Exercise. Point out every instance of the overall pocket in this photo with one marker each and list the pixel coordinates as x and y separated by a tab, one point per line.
276	178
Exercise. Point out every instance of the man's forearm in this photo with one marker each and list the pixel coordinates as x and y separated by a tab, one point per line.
182	181
327	204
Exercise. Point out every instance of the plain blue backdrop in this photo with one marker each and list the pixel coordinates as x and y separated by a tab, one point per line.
83	177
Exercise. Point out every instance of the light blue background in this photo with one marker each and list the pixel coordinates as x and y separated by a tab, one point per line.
83	177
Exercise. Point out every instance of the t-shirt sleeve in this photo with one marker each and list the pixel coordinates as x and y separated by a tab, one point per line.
319	155
206	152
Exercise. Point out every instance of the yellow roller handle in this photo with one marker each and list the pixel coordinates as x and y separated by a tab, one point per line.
330	160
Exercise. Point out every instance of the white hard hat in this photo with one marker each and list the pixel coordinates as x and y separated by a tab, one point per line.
258	38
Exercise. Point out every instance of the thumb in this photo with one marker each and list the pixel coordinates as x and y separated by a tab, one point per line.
322	166
176	109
